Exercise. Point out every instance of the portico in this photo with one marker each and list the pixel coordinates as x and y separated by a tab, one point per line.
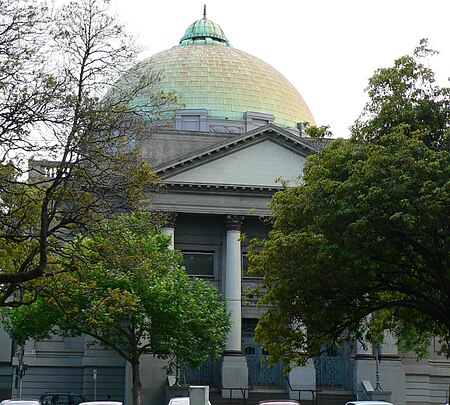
215	199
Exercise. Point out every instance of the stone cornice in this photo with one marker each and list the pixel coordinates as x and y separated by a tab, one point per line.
222	187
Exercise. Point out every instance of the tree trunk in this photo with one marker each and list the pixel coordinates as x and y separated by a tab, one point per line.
136	390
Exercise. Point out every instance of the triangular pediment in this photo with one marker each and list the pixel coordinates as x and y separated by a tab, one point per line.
259	164
254	159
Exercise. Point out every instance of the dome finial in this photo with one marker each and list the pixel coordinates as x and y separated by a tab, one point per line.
204	10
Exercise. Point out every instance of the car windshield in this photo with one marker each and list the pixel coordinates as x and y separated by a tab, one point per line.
62	399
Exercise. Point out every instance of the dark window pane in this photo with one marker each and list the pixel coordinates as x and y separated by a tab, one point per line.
199	263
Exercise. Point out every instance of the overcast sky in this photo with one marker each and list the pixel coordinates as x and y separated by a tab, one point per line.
327	49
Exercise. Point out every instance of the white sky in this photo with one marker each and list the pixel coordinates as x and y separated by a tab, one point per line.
327	49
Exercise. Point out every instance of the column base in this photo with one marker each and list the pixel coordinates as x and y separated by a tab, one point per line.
234	376
391	378
380	396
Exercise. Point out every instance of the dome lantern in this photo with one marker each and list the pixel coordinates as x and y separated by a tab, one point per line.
204	31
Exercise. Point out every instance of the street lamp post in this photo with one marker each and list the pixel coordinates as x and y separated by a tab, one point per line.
377	368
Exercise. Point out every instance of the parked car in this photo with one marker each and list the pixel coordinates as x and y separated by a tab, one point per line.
369	403
61	398
104	402
279	402
20	402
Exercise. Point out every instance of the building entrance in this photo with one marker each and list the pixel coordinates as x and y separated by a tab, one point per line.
260	374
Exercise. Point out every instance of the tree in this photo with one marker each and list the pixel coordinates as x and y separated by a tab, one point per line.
129	291
406	93
69	135
25	92
361	246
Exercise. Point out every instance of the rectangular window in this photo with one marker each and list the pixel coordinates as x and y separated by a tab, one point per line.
199	263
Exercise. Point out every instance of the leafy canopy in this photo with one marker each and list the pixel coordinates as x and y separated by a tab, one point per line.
361	246
69	140
128	290
406	93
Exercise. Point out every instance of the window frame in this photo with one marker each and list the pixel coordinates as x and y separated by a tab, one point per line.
201	252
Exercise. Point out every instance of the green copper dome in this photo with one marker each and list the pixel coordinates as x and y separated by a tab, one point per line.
207	73
204	31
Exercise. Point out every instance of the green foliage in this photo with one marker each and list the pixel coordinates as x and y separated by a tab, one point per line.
125	281
127	289
406	93
361	246
316	132
69	153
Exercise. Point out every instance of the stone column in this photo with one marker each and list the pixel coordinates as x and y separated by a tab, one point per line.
389	347
169	228
234	367
153	377
233	280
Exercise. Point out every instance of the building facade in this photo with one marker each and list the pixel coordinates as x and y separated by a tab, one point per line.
221	161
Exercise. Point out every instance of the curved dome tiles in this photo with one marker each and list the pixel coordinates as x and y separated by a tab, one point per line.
224	80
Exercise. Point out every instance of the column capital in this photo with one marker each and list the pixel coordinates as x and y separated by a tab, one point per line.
170	220
233	222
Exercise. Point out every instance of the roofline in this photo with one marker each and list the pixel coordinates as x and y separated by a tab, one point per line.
239	139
